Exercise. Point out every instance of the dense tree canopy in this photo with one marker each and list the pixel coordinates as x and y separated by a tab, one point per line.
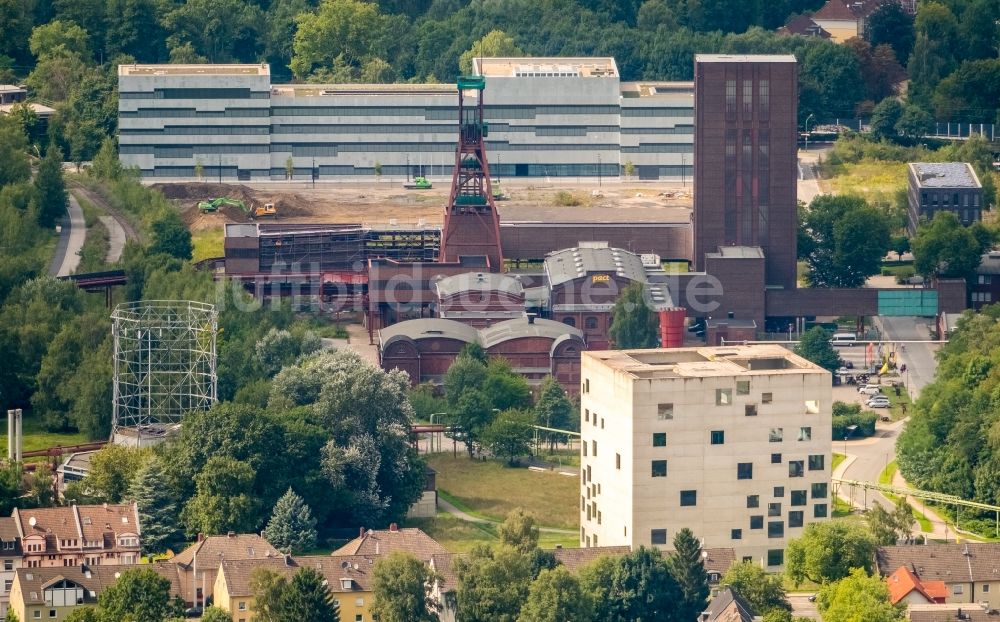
944	247
828	551
858	596
847	240
633	323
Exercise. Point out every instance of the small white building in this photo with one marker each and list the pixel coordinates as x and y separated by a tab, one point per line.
731	442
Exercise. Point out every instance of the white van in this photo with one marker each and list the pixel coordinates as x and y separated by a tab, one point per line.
844	339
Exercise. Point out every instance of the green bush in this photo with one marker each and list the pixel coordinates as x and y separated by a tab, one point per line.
904	274
845	415
567	199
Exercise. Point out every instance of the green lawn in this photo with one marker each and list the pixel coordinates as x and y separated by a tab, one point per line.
875	180
36	437
207	243
885	477
837	459
491	490
460	536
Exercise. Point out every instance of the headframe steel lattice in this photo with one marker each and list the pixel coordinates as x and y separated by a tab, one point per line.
164	366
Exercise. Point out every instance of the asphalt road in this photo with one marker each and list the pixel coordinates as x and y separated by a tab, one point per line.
869	457
74	233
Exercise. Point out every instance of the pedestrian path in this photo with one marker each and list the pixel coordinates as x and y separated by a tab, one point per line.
71	239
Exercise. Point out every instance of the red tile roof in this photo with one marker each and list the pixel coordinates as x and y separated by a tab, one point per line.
804	25
376	542
835	10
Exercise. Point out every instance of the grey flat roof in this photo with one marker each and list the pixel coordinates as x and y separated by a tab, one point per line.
521	327
478	281
744	58
738	252
572	263
543	66
944	175
989	263
262	69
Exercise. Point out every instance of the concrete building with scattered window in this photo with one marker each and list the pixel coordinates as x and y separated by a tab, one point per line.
943	186
548	117
731	442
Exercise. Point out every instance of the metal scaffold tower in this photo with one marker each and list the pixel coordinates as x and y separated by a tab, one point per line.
164	366
471	222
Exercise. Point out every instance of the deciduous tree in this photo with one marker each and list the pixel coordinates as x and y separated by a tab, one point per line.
400	590
216	614
633	323
815	346
945	248
884	118
493	584
493	43
764	592
51	188
138	594
509	435
554	410
858	596
556	596
171	237
637	586
828	551
849	237
345	32
224	500
890	24
113	469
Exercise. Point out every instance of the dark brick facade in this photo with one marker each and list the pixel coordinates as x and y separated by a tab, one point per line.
745	159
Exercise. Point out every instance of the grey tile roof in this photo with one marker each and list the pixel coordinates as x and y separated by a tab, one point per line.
989	263
951	563
728	606
376	542
213	549
944	175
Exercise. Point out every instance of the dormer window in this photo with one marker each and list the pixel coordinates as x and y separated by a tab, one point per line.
346	584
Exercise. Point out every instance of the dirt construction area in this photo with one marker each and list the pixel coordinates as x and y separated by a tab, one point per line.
388	202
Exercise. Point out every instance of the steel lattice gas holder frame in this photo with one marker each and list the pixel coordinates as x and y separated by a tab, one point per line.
164	367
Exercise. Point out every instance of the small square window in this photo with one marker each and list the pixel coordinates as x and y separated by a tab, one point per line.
765	398
819	510
773	509
750	410
659	468
723	397
689	498
957	589
776	529
757	522
618	461
816	462
742	387
718	437
586	415
798	497
805	433
664	411
658	536
775	458
795	518
775	435
796	468
583	445
744	470
748	558
593	447
819	491
779	492
753	501
775	557
986	588
243	605
737	534
659	439
812	407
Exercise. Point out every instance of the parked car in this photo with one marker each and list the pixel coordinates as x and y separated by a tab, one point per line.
869	389
843	371
876	402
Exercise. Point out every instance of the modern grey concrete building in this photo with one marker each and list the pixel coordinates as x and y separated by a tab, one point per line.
943	186
548	117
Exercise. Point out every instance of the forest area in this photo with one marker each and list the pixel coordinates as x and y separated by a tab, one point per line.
67	51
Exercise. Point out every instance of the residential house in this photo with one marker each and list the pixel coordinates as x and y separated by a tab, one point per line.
728	606
10	557
805	26
95	535
951	613
970	571
377	542
348	577
198	564
904	586
716	561
52	593
12	95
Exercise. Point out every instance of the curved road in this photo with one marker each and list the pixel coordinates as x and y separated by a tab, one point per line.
74	233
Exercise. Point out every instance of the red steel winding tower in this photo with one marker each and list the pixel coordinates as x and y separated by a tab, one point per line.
471	222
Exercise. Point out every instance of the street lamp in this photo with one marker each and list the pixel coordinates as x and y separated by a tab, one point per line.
809	118
850	432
